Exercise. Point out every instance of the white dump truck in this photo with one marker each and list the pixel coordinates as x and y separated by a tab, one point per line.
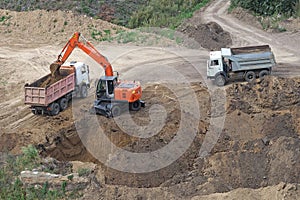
246	63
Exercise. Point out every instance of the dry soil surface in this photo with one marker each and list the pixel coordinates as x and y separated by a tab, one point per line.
256	154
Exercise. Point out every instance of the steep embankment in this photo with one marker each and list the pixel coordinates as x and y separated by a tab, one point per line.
48	27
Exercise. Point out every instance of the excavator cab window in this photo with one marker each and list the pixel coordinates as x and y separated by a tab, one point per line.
101	88
111	84
105	88
110	87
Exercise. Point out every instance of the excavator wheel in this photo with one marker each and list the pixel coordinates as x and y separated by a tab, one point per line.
116	111
135	106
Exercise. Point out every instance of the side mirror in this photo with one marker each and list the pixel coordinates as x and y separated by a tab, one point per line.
208	64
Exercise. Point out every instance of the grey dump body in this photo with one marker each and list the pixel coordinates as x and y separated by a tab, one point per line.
246	63
251	58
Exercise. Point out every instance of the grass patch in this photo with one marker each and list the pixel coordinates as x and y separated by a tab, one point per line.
84	172
165	13
147	36
11	187
100	35
272	23
268	8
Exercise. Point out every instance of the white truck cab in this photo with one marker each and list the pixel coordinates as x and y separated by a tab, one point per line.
82	77
214	64
82	72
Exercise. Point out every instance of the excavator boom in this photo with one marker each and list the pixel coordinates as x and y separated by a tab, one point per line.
85	46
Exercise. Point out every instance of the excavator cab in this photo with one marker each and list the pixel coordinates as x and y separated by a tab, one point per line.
106	86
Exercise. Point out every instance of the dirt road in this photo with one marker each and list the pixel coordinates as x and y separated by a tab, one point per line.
285	45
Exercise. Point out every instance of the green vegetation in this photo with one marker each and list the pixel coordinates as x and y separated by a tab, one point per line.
269	7
11	186
129	13
100	35
119	12
297	9
270	12
83	172
272	23
4	18
147	36
165	13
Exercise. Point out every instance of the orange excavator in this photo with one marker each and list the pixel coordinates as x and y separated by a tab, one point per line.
112	95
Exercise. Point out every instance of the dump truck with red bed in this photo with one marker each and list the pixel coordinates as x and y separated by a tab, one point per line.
50	95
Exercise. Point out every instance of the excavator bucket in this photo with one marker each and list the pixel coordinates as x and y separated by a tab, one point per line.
54	68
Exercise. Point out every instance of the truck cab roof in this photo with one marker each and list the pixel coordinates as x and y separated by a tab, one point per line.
74	64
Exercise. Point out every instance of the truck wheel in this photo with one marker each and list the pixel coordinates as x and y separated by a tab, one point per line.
250	76
84	91
135	106
54	107
220	80
36	112
63	103
263	73
116	111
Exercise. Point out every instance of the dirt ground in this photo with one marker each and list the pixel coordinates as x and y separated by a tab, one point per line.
256	154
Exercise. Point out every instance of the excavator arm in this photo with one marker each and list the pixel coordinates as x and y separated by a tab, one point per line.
85	46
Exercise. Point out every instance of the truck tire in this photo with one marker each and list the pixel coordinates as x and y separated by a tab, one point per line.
116	111
263	73
83	91
220	80
63	103
36	112
55	109
250	76
135	106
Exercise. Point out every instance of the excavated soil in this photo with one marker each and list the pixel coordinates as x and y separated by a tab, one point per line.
210	36
258	146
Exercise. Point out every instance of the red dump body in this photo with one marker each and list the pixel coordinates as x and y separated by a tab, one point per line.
43	96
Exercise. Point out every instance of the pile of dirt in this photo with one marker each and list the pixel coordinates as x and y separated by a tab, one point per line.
210	36
42	26
50	80
264	95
